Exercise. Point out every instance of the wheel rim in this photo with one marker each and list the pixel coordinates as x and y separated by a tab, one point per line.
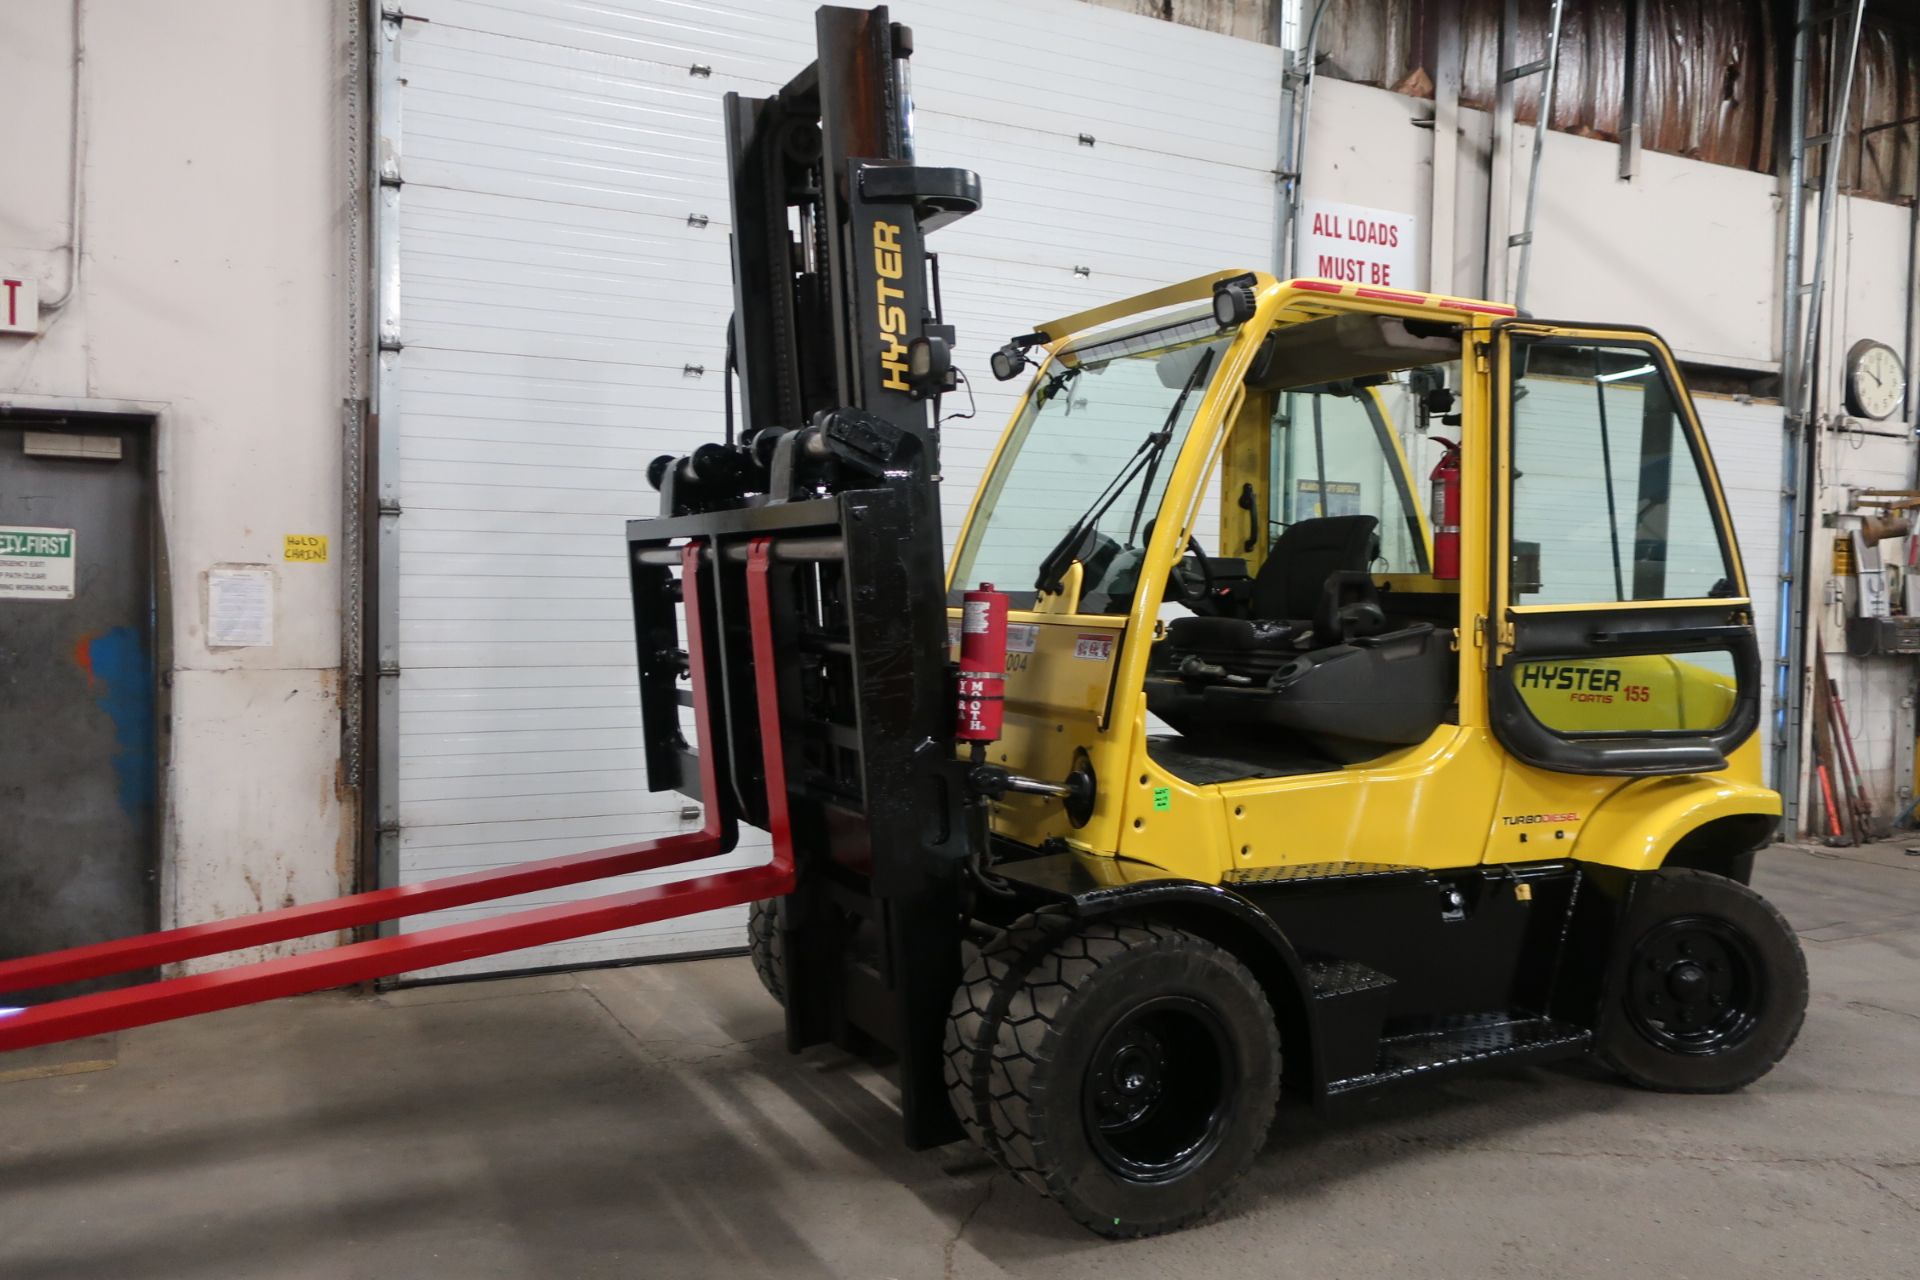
1158	1089
1696	986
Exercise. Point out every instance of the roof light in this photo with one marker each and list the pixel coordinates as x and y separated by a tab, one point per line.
1150	340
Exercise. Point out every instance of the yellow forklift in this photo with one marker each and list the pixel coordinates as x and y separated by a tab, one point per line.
1361	793
1331	689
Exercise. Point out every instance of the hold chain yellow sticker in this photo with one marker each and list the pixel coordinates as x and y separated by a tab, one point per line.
310	548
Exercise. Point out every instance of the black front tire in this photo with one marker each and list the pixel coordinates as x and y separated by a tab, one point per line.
1714	990
766	948
1131	1075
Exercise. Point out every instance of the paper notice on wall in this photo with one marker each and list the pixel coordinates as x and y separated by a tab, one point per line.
1356	245
35	563
239	608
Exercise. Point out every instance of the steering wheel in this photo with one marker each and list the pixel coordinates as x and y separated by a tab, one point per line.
1179	586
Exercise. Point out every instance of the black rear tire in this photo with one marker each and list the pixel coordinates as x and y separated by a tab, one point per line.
1715	988
766	948
1132	1076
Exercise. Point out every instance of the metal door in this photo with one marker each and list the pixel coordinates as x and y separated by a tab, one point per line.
555	285
78	855
1625	643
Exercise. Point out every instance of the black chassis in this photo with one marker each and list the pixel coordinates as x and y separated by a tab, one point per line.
1382	974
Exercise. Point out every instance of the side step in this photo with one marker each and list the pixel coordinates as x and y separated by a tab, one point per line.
1462	1042
1350	1005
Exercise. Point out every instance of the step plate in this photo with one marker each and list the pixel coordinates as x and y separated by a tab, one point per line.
1297	872
1464	1042
1331	979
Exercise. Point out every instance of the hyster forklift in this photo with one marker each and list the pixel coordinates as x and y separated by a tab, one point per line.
1214	765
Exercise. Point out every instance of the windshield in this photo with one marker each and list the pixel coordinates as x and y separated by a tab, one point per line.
1090	457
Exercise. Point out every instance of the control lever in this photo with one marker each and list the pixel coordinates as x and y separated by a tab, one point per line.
1198	670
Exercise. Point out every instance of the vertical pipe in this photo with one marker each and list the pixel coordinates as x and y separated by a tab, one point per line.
1831	156
76	159
1442	207
1500	162
1798	365
1541	127
1786	736
1633	109
1296	116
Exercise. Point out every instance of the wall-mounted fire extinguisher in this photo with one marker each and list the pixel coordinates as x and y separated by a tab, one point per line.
1444	513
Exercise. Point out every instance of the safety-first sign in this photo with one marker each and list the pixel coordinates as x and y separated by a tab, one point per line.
36	564
1354	245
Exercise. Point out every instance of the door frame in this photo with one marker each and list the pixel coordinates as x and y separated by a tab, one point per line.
17	408
1668	625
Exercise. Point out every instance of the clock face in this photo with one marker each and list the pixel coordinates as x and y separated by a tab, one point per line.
1876	383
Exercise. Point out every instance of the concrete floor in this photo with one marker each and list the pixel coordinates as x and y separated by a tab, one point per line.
645	1122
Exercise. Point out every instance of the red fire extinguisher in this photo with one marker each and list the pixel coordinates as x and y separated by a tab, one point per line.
983	665
1444	513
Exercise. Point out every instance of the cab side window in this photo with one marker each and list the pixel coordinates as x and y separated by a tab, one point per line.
1609	500
1333	455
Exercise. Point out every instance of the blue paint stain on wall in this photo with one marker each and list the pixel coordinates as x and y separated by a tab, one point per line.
122	683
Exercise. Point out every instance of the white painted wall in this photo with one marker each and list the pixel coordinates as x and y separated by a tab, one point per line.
216	199
1691	251
1867	272
1687	249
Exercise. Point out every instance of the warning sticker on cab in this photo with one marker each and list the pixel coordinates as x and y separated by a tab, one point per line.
35	563
1022	637
1098	648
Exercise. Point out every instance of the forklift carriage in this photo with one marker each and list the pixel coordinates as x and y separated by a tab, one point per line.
1104	857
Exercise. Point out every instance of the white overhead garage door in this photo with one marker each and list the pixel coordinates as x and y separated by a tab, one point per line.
562	292
1745	438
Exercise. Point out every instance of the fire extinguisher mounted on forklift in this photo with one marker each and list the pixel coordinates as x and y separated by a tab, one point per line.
1103	858
1445	512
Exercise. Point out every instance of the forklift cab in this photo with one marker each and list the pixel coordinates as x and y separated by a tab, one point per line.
1208	513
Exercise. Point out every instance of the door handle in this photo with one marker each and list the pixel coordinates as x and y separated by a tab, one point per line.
1666	636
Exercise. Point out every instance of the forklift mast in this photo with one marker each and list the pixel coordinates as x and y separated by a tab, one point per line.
836	324
818	526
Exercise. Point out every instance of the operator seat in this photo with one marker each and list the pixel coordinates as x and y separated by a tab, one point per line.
1315	663
1305	555
1290	595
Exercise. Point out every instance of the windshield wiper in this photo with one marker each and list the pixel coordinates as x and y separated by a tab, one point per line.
1053	569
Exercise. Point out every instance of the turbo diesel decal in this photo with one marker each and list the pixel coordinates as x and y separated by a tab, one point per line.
1527	819
892	319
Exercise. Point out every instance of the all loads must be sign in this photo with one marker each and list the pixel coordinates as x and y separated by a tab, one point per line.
36	564
1353	245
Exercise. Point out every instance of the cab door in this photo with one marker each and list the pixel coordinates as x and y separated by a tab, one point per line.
1623	641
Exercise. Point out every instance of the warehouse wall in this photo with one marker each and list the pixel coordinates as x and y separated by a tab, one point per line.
214	222
1691	250
216	285
1867	267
